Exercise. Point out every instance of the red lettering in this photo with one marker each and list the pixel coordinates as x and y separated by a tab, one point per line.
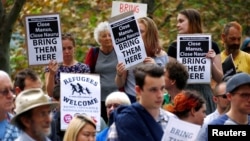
127	7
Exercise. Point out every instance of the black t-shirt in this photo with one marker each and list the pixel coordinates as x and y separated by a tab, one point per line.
172	49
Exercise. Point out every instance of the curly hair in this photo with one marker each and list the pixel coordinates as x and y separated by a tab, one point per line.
184	102
178	72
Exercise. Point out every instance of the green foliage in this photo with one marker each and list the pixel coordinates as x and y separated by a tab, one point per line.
81	17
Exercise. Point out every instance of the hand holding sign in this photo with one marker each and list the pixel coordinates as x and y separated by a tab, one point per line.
53	66
127	40
43	37
211	54
149	60
120	68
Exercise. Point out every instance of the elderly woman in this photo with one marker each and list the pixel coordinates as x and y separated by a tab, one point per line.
102	60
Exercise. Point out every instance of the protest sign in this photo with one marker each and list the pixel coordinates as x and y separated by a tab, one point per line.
80	94
127	40
179	130
191	51
43	38
119	7
228	66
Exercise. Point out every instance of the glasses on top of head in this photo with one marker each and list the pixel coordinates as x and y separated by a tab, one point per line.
222	95
7	91
114	105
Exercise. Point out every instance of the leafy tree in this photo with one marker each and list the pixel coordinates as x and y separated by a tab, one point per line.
8	19
81	16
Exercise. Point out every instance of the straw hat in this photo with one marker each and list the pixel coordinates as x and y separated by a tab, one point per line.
30	99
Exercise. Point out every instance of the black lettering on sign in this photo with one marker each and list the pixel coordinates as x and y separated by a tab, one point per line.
43	57
133	58
196	75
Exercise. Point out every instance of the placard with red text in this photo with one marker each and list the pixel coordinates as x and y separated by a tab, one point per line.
119	7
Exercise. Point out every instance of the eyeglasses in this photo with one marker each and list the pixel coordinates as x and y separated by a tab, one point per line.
244	95
222	95
6	91
114	105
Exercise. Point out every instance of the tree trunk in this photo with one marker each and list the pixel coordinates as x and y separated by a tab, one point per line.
7	21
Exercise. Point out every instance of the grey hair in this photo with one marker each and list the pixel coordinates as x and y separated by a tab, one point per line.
118	97
102	26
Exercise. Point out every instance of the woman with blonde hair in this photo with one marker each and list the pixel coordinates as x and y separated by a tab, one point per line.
155	54
80	128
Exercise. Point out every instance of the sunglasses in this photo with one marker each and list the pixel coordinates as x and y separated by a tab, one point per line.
6	91
222	95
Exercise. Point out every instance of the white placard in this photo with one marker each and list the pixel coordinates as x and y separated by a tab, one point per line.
179	130
127	40
80	94
139	9
43	38
191	51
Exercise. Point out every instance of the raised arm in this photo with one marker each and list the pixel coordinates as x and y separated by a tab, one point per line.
121	75
217	72
50	77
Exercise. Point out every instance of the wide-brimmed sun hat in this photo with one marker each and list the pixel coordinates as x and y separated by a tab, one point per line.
30	99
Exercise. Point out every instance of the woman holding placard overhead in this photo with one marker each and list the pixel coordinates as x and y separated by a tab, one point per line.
189	22
69	65
155	54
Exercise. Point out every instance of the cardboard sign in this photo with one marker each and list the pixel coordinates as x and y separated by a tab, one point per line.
179	130
139	9
127	40
80	94
191	51
43	39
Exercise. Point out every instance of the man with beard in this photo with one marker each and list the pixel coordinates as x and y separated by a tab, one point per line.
33	115
231	38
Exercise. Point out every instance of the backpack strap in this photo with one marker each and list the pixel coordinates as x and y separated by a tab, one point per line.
91	58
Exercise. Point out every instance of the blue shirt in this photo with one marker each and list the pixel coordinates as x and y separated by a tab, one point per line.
8	131
222	120
102	136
